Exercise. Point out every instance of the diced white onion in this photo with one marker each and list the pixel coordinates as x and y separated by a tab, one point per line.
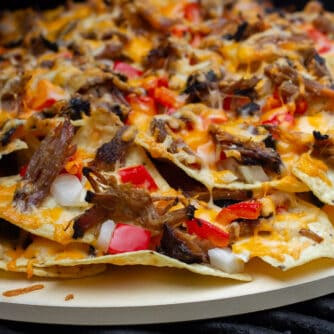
253	174
66	190
106	231
224	259
206	154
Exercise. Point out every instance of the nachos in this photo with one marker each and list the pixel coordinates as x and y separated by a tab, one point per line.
185	134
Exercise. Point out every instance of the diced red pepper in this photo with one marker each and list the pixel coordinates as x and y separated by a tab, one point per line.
280	118
243	210
127	70
151	83
192	12
222	155
208	231
166	97
129	238
301	106
179	30
322	42
143	104
138	176
23	170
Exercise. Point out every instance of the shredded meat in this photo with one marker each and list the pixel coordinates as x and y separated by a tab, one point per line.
115	150
279	73
161	55
324	23
201	86
221	195
251	153
91	217
111	50
323	147
45	164
241	87
124	202
301	40
240	229
246	29
181	246
316	64
311	235
158	129
153	18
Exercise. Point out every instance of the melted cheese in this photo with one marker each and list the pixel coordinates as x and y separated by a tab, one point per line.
313	167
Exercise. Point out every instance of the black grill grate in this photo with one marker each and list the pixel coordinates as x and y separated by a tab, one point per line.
312	317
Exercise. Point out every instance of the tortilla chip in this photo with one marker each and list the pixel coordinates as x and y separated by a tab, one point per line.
281	243
218	179
54	222
329	57
58	271
97	129
317	176
45	257
13	146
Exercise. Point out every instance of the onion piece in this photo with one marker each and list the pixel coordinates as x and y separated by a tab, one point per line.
66	190
106	232
224	259
253	174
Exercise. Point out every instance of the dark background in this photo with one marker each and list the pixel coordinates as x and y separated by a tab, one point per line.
52	3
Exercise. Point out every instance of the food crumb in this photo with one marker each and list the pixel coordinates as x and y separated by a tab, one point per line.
17	292
69	296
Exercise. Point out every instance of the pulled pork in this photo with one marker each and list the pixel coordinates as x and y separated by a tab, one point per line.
45	164
180	245
115	150
251	153
323	147
280	73
124	202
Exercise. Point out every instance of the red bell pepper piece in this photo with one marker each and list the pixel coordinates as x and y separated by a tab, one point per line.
192	12
151	83
23	170
243	210
129	238
143	104
322	42
208	231
179	30
273	102
166	97
301	106
138	176
127	70
280	118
